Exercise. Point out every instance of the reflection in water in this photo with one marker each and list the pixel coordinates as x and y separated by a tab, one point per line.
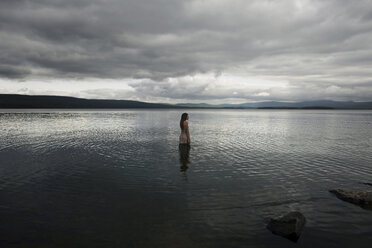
184	150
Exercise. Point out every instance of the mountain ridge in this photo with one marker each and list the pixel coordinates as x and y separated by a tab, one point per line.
330	104
47	101
43	101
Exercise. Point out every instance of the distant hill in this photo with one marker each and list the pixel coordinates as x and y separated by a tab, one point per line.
324	104
26	101
197	105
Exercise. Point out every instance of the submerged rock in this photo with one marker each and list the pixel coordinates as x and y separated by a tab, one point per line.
288	226
370	184
360	198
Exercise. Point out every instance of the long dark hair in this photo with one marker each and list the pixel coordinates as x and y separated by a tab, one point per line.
183	118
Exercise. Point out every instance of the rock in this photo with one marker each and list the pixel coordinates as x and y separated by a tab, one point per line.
288	226
360	198
370	184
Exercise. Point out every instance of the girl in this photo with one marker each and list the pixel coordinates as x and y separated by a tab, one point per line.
185	133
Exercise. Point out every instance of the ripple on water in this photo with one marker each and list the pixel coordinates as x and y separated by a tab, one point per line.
86	169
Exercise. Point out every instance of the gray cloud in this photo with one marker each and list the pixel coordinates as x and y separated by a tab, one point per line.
321	49
8	71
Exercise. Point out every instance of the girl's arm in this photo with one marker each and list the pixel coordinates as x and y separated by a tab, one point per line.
187	132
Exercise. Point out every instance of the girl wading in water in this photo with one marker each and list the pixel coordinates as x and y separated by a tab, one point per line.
185	133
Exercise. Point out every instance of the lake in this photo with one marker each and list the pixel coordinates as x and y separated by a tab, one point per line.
117	178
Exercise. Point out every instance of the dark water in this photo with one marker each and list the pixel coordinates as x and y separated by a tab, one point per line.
118	178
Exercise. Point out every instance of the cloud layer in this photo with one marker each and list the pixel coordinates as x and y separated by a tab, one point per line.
176	50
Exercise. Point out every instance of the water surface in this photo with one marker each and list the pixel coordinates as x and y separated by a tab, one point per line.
118	178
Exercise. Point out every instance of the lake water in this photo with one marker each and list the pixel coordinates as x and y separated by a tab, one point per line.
118	179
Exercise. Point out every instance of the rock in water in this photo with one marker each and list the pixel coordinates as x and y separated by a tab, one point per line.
288	226
360	198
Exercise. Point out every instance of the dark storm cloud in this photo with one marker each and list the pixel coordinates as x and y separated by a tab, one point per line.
311	45
13	72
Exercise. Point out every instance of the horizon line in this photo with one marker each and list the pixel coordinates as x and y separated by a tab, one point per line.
109	99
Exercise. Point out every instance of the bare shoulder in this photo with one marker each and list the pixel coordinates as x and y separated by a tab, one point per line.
185	124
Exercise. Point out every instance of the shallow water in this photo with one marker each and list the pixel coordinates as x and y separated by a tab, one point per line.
118	179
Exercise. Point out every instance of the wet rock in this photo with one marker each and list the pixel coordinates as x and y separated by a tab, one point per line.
288	226
360	198
370	184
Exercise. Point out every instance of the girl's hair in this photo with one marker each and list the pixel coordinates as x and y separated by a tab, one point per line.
183	118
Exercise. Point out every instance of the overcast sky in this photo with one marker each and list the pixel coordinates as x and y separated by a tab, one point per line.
211	51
